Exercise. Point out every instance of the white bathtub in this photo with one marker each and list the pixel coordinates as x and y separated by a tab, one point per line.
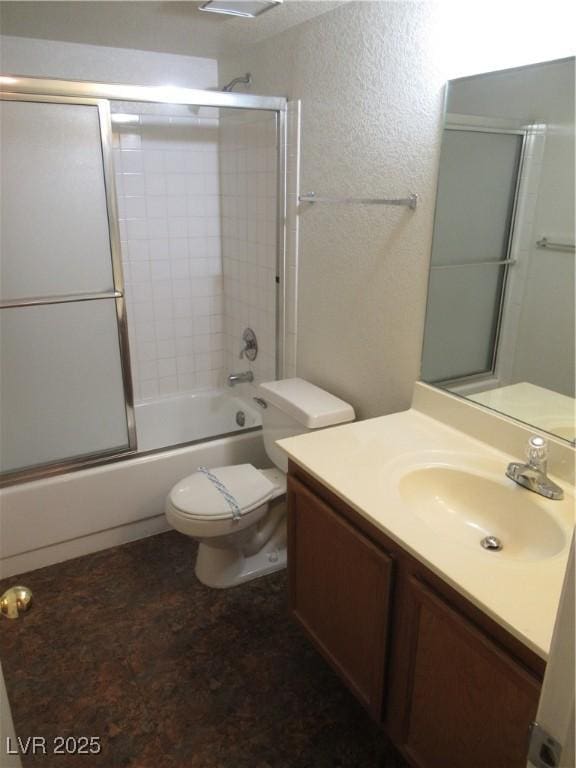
47	521
195	416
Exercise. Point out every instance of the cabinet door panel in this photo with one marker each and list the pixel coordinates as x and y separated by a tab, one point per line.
470	703
339	592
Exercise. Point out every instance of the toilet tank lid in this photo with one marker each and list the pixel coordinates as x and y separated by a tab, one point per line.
311	406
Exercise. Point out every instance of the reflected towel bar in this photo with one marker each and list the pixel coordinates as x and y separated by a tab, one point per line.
410	202
552	246
502	263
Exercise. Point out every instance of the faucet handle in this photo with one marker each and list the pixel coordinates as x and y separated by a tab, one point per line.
537	452
250	348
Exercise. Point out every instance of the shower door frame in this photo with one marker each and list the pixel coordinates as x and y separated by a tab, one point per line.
23	88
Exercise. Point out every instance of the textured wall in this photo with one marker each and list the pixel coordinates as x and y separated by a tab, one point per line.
371	115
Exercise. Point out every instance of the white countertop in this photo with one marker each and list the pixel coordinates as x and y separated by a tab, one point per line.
358	462
546	410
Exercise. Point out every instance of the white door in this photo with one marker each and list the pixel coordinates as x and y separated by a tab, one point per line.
552	741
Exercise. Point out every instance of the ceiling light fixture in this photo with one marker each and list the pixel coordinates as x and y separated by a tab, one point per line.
247	9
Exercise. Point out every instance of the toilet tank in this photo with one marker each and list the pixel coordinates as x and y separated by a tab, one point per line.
294	406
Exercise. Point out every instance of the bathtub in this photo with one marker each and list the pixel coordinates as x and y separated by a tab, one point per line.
57	518
189	417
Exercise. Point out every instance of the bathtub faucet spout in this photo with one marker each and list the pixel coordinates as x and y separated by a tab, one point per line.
239	378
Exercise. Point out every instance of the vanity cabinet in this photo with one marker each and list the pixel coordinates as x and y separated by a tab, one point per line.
448	684
466	701
339	592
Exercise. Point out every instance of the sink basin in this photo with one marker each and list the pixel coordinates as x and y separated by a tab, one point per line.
467	507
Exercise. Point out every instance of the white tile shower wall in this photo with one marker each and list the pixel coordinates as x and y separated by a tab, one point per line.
169	208
248	178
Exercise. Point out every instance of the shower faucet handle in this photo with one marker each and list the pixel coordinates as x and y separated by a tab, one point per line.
250	348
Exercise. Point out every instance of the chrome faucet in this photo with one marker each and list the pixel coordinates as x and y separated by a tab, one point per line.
533	474
239	378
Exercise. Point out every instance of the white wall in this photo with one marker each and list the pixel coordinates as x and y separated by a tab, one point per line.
545	349
371	113
471	37
73	61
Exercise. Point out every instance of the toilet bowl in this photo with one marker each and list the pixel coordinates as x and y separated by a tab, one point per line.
238	512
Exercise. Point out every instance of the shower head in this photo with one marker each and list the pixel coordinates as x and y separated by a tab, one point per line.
248	9
247	80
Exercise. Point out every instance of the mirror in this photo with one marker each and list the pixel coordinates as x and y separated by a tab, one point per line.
501	305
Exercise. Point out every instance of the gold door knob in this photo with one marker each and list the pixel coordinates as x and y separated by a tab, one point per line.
15	601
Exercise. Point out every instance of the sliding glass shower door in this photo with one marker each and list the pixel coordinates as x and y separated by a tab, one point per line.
65	383
470	256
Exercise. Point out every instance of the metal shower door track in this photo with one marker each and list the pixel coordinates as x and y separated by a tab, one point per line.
163	94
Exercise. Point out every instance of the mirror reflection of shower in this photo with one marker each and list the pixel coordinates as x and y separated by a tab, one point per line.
501	297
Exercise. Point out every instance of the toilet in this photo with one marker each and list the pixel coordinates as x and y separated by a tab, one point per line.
238	512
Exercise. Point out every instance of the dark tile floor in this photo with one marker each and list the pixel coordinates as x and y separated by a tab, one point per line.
126	645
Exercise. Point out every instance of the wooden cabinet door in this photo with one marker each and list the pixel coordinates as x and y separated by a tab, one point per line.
339	592
469	703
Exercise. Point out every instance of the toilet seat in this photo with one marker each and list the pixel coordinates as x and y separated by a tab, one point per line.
224	493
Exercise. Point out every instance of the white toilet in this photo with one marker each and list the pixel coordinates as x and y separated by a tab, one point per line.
238	512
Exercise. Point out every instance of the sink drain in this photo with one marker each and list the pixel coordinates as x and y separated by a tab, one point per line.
492	543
